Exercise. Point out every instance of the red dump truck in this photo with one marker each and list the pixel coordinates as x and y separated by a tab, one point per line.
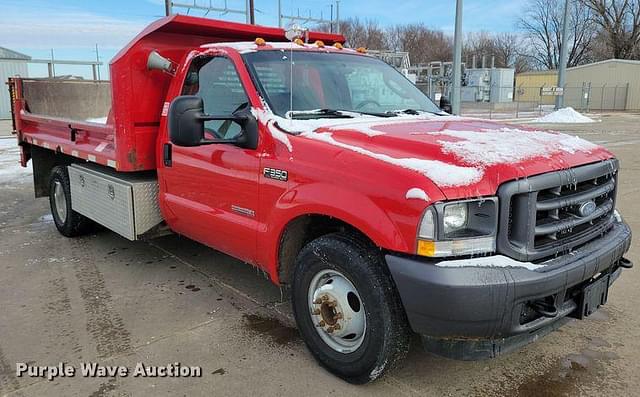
330	171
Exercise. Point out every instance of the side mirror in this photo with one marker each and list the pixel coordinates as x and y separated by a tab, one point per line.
445	105
186	124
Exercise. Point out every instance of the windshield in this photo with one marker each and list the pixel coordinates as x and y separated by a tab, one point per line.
333	81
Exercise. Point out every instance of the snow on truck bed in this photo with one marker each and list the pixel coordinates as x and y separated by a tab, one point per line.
98	120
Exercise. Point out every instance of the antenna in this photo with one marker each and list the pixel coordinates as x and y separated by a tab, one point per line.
294	33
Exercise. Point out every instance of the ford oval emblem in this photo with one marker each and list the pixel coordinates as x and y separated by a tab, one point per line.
587	208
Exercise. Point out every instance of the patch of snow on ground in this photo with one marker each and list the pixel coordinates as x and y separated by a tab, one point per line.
441	173
497	261
566	115
418	194
10	168
509	145
98	120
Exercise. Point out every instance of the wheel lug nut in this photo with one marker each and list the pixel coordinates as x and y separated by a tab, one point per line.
321	323
337	327
339	316
330	330
317	301
325	298
316	312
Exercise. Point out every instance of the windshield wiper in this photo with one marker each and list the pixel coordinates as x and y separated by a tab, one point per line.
415	112
375	114
319	113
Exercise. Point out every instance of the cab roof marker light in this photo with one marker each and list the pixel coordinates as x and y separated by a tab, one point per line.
338	46
319	43
260	42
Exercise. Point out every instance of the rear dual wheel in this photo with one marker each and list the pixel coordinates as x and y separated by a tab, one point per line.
347	308
68	222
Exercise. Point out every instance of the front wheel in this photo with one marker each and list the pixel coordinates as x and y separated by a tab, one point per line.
347	308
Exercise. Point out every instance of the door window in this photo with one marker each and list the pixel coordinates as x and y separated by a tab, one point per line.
216	81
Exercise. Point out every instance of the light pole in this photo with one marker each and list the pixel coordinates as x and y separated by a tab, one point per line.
564	53
457	61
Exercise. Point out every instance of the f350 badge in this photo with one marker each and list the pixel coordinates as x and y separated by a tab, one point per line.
278	175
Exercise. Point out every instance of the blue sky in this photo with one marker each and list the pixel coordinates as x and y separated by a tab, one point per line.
73	27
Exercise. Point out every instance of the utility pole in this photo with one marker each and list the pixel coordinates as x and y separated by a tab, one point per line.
338	16
457	61
167	7
331	27
279	13
252	12
97	61
564	52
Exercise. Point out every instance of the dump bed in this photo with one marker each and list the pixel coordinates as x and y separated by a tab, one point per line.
116	123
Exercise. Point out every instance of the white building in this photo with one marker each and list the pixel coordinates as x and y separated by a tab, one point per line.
12	63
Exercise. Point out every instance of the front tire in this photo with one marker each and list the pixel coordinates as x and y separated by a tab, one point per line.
68	222
347	308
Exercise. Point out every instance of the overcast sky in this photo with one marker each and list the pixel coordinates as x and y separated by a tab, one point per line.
73	27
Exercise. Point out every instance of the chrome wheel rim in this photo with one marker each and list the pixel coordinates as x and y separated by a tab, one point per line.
337	311
60	201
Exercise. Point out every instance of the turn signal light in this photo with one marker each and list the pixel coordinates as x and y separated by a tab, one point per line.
426	248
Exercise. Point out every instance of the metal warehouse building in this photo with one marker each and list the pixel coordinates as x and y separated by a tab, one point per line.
613	84
528	85
12	63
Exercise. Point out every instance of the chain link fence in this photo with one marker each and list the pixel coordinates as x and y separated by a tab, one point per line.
505	102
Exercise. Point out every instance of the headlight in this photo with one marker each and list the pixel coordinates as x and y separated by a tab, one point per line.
459	228
455	217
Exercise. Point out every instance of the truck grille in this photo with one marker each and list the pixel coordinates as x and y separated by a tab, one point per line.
552	213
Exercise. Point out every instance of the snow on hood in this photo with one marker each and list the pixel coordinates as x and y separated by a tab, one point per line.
507	145
441	173
465	149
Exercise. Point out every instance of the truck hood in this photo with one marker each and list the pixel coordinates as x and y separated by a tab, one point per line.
462	157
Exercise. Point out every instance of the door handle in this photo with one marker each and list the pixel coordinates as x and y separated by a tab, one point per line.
167	154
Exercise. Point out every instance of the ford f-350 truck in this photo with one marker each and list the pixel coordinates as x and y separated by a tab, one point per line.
330	171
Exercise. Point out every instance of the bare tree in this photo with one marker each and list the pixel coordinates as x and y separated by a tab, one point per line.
620	24
542	25
506	48
422	44
479	45
359	33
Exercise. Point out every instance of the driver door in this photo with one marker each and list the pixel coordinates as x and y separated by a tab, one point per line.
211	191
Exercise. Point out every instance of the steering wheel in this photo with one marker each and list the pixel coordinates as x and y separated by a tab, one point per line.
367	102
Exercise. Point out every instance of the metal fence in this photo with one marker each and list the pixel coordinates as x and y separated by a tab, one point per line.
583	97
493	101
